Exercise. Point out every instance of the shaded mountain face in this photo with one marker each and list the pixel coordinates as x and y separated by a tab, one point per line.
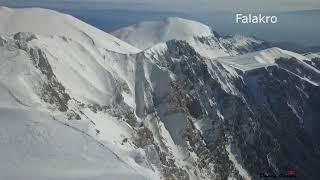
167	112
251	122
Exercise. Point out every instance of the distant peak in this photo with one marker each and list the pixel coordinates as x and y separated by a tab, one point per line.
4	8
149	33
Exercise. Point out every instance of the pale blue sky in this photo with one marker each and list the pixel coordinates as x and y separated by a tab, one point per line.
170	5
298	26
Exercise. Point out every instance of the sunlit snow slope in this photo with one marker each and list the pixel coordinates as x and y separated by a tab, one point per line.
47	22
200	36
263	58
44	75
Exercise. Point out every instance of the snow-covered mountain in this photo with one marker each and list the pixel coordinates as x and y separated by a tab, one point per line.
147	34
315	59
263	58
78	103
48	22
50	77
313	55
200	36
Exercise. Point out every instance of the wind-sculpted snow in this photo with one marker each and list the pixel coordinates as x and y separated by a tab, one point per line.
73	109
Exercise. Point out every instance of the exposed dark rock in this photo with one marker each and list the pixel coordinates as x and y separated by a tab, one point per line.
24	36
264	123
52	92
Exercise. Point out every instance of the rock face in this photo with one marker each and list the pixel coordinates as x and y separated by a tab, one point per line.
166	112
267	119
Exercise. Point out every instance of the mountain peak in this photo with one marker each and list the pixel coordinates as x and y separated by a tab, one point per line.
201	37
52	23
149	33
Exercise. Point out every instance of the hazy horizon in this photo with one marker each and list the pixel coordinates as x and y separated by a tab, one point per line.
172	5
295	25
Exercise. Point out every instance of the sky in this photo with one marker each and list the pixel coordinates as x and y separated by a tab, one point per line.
297	19
176	5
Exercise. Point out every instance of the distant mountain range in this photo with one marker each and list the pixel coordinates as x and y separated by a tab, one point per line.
295	47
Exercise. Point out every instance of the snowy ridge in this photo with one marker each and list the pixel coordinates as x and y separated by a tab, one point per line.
147	34
259	59
313	55
240	40
200	36
48	22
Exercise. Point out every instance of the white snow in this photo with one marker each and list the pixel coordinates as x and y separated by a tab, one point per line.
48	22
240	40
35	146
74	62
149	33
259	59
313	55
200	36
237	165
38	142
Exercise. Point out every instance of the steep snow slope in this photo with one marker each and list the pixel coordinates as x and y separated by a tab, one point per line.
37	143
47	22
201	37
51	84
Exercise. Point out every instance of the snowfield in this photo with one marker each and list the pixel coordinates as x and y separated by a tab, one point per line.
260	59
35	145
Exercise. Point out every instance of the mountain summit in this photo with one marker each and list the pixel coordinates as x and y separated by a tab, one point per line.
149	33
200	36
